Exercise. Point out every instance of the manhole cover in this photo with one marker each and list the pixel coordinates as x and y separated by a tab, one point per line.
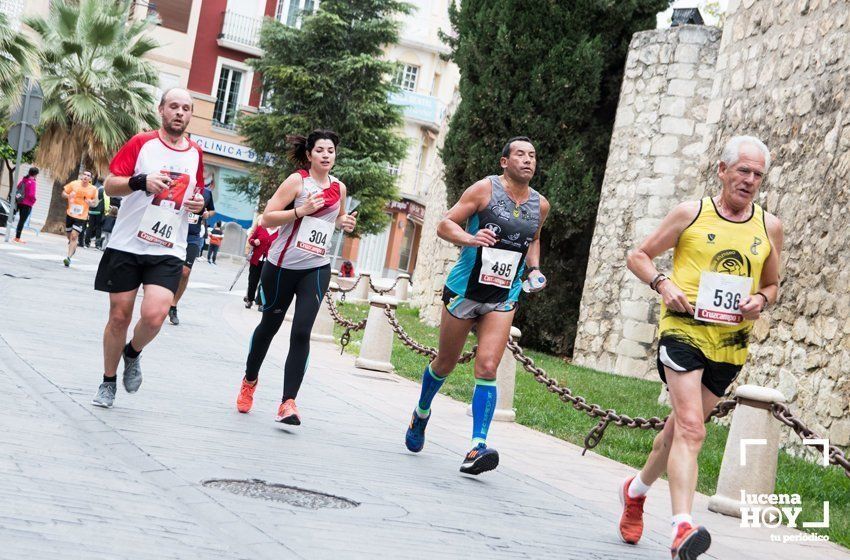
291	495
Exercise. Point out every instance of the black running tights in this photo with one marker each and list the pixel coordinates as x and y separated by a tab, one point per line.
278	287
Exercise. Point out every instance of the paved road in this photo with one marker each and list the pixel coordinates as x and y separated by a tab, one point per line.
82	482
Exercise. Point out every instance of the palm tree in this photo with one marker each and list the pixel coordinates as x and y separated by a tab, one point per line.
98	90
17	58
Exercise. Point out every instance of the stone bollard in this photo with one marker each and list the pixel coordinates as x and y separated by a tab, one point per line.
403	286
323	328
361	292
751	420
506	384
334	275
377	345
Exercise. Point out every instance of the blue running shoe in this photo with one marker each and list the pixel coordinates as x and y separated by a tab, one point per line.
480	459
414	439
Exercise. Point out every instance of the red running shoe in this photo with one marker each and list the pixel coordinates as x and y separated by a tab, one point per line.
245	400
690	542
631	522
287	413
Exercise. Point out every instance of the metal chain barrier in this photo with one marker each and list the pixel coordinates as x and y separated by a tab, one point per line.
606	416
342	321
384	291
421	349
782	413
344	291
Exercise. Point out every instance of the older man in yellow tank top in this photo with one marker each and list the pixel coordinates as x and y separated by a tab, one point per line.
725	272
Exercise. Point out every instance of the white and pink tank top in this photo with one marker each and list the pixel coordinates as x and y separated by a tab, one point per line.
306	242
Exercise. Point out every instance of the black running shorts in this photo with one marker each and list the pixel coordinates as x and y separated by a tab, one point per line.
192	252
120	271
74	223
682	357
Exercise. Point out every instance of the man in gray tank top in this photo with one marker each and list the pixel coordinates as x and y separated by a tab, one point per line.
503	218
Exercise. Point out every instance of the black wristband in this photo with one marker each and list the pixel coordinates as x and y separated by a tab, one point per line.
138	182
657	280
295	210
766	301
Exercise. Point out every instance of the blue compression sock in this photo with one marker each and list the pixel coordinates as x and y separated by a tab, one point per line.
483	407
431	384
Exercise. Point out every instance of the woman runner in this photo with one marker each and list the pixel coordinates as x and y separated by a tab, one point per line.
307	206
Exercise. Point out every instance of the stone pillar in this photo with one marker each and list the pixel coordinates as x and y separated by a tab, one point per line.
233	242
751	420
361	293
323	328
334	275
402	286
654	162
377	346
506	383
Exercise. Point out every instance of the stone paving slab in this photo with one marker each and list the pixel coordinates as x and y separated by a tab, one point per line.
82	482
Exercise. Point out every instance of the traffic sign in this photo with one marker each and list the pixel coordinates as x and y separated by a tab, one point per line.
29	110
29	137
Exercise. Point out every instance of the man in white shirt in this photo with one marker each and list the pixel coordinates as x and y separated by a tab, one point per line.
160	175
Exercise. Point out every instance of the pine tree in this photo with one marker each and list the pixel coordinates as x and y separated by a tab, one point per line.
330	74
550	71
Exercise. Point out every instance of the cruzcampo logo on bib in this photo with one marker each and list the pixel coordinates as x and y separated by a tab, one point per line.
724	288
314	235
160	224
498	267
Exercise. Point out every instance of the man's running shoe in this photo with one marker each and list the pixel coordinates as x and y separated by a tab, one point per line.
132	377
105	396
480	459
690	542
247	301
414	439
631	522
172	316
287	413
21	241
66	261
245	400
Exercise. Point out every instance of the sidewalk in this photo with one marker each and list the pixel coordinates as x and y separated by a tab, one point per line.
82	482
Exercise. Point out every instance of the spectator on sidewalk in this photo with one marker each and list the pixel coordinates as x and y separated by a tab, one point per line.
25	200
259	242
346	270
109	223
216	235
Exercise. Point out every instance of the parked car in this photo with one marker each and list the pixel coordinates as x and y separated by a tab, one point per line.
5	210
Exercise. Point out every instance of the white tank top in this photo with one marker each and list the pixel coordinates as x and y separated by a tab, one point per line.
305	243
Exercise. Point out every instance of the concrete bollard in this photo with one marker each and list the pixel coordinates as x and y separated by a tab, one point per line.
751	420
403	286
506	384
323	328
334	275
377	346
361	292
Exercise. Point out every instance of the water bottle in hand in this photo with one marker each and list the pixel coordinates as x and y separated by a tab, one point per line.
534	283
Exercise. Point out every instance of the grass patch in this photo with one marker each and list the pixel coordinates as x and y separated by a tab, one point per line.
543	411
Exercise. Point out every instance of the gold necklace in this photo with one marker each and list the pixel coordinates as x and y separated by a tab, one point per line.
516	203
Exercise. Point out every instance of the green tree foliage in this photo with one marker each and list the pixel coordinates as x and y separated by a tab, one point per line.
98	90
330	74
17	58
551	71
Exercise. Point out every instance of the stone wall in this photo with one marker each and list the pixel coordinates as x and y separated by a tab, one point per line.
783	74
653	163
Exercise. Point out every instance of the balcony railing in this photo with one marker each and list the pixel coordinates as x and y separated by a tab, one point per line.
424	109
240	32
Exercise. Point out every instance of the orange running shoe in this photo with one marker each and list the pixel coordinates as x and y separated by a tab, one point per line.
690	542
631	522
21	241
246	396
287	413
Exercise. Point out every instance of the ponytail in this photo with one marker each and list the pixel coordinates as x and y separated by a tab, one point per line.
300	146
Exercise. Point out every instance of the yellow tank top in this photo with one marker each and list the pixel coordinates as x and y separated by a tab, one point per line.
714	244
